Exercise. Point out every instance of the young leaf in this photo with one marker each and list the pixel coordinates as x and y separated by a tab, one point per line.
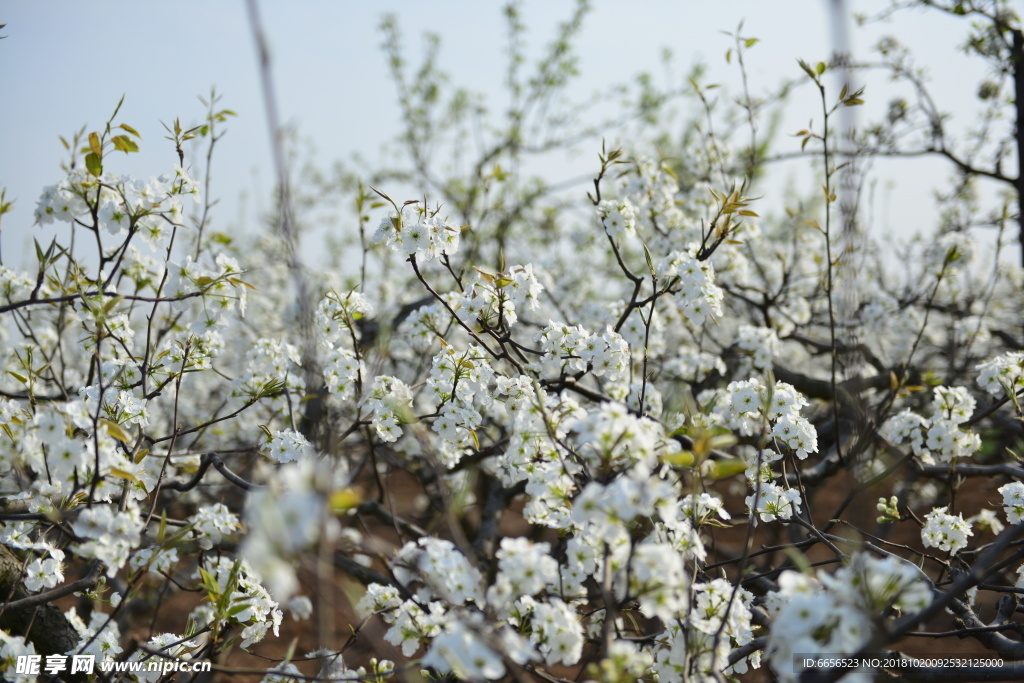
93	164
650	261
121	474
124	144
115	431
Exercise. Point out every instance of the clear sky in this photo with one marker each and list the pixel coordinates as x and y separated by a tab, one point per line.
65	64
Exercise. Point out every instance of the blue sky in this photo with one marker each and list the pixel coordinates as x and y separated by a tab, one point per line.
65	64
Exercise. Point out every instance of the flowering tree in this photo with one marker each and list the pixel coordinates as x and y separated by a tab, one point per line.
625	438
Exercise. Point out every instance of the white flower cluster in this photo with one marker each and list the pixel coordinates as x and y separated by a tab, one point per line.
390	404
491	300
699	508
271	362
607	511
219	287
337	332
618	216
542	598
894	325
694	366
43	573
336	317
940	438
570	348
458	387
459	649
771	501
259	612
153	207
760	343
699	650
423	237
749	407
11	648
833	614
342	371
289	445
524	568
987	519
1003	374
697	295
590	443
112	535
426	324
945	531
1013	501
168	644
211	523
444	571
156	559
746	404
609	438
556	632
98	638
286	518
532	455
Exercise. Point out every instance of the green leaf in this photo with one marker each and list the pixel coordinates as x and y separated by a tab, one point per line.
209	583
178	538
238	608
751	42
680	458
93	164
650	261
343	499
124	143
121	474
723	469
94	144
115	431
126	127
111	303
820	68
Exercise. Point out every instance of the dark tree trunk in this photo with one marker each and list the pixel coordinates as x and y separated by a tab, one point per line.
1018	77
